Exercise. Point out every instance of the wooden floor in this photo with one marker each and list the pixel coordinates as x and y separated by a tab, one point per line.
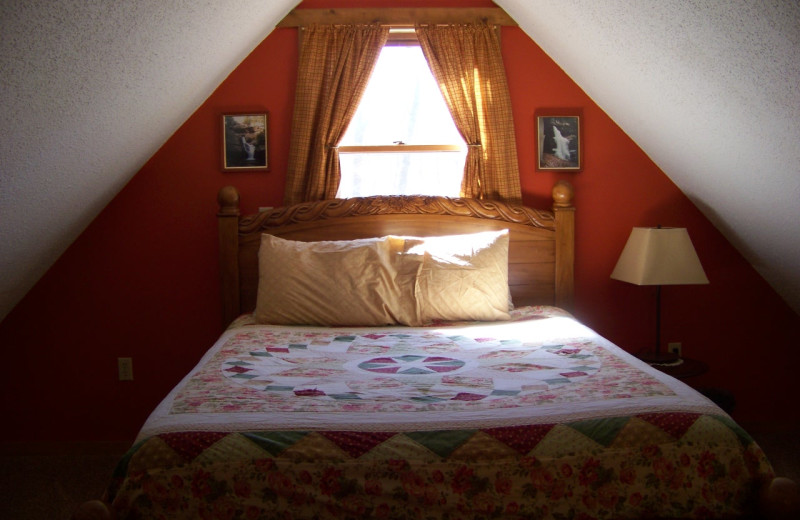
48	481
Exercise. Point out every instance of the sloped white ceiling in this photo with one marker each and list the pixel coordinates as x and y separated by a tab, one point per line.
90	90
711	92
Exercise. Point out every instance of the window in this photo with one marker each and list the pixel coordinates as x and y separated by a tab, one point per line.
402	139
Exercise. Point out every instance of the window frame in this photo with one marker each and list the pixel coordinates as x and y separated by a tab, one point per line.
401	36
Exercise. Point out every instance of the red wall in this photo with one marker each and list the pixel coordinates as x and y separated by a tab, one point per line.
141	281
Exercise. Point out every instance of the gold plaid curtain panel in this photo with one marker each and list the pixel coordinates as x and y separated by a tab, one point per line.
467	64
334	67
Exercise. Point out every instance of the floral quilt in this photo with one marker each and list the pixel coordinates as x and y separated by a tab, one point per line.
537	417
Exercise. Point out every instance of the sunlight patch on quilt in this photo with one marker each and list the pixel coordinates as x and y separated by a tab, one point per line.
398	370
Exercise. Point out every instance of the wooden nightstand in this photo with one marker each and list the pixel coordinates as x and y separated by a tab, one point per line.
689	368
693	367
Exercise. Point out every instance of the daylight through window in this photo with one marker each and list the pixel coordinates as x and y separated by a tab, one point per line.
402	139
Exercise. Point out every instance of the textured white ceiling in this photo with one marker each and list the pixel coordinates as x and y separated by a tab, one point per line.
710	90
91	89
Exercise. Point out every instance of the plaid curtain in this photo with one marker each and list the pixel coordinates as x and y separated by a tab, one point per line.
334	67
467	64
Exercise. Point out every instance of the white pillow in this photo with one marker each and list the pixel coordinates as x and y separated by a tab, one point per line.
381	281
354	282
463	277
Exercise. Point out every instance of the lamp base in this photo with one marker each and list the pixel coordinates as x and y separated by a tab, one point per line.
660	358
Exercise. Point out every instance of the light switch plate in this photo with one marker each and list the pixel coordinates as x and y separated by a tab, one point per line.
125	368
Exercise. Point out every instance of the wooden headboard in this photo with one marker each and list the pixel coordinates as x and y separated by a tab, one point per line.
541	251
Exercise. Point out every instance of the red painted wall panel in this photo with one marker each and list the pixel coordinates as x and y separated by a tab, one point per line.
141	281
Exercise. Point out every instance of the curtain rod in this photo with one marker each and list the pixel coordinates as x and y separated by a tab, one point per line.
397	16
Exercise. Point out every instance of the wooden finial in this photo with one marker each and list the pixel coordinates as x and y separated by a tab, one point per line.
562	194
780	499
93	510
228	199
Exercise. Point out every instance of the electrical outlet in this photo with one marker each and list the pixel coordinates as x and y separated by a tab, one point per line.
675	348
125	368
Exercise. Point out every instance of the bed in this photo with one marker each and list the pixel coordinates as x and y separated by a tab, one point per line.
436	409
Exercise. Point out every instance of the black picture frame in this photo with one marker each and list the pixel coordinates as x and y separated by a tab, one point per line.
559	142
245	141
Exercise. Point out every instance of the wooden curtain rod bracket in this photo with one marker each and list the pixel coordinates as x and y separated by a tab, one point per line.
397	16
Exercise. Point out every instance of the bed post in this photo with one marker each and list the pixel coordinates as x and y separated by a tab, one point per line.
228	226
565	244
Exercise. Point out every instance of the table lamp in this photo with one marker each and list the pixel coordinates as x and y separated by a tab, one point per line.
659	256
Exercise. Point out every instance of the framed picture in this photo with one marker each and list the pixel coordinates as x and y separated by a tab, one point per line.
559	142
244	142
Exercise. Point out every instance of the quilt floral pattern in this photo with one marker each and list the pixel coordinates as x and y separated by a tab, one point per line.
669	463
651	466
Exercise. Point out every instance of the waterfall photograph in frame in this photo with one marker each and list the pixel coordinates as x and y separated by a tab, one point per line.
244	142
559	146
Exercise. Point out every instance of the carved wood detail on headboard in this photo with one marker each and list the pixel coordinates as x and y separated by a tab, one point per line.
397	205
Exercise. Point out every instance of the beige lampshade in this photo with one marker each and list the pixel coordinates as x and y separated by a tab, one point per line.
659	256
